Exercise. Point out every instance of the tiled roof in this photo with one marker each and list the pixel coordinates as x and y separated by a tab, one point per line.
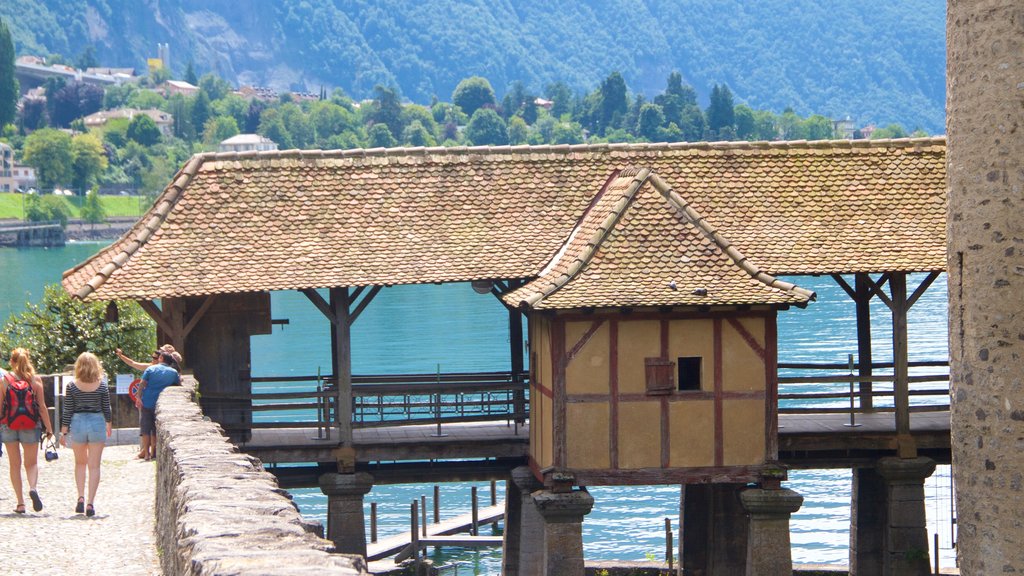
237	222
640	244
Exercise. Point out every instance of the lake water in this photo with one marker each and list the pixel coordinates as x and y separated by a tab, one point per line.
416	329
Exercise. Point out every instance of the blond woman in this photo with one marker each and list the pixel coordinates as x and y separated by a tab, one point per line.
87	419
24	409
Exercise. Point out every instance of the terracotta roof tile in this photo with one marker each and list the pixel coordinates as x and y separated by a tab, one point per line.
284	220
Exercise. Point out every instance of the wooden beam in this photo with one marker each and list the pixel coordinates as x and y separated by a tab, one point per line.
362	303
898	286
583	340
846	287
156	314
320	304
876	289
199	314
864	353
921	288
341	357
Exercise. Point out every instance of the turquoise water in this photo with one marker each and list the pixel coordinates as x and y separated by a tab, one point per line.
417	328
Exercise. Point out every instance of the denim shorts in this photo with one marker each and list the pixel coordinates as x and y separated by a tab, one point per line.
30	436
88	428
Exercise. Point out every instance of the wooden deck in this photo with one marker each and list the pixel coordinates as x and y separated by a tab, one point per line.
451	532
480	451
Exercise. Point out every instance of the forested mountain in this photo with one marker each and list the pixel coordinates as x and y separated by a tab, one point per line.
877	61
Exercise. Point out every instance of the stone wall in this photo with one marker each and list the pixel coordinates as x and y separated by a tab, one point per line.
219	512
985	125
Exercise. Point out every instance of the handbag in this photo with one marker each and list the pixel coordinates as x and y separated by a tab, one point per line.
51	449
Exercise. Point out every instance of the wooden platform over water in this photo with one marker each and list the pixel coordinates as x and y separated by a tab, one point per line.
483	451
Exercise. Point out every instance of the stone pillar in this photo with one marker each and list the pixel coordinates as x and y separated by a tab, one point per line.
985	127
523	545
768	550
906	531
867	522
563	514
714	534
346	524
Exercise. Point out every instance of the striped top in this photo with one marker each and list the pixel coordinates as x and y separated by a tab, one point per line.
77	401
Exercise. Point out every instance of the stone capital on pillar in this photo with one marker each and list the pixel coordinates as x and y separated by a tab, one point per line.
768	550
905	470
358	484
346	524
563	508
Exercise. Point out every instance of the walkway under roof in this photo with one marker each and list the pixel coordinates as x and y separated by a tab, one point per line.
242	222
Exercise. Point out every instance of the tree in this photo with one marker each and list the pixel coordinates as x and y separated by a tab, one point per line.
650	122
219	129
8	82
190	74
612	102
87	59
890	131
46	208
89	160
472	94
817	127
745	123
73	100
60	328
380	137
387	109
486	128
92	209
692	123
561	98
518	131
49	152
200	111
143	130
416	134
33	114
721	113
214	86
272	126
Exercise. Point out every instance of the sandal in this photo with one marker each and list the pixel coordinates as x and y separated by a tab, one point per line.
80	507
19	509
37	504
89	510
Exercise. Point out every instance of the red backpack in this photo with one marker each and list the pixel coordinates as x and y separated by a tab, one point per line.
20	411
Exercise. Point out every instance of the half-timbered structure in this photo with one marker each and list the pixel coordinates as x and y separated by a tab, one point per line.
648	272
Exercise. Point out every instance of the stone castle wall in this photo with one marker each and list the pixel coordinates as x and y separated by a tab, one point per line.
219	512
985	125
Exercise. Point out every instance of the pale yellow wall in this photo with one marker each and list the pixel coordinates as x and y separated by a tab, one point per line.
587	373
639	434
692	427
541	433
587	435
694	338
742	368
743	427
638	339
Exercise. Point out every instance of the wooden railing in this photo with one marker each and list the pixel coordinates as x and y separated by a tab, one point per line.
839	388
383	400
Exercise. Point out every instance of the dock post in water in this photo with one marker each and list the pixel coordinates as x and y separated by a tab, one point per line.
475	529
668	543
414	533
494	492
373	522
437	504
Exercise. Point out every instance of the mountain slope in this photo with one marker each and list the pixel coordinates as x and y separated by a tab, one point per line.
875	60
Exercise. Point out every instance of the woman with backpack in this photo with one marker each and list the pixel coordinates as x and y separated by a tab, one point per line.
24	407
87	418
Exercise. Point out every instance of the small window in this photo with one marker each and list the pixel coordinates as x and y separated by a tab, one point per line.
689	373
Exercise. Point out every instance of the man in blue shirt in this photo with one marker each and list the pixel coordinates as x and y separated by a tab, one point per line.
154	380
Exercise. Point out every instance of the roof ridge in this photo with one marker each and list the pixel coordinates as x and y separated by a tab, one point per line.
142	230
453	151
638	176
724	244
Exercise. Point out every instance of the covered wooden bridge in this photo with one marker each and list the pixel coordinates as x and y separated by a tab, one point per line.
657	263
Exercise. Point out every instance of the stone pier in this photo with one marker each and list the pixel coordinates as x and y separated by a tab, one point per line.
523	546
714	535
563	514
346	522
905	535
768	549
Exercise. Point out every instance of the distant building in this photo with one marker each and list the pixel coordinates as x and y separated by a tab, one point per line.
866	131
163	120
843	128
257	92
172	87
543	103
13	176
247	143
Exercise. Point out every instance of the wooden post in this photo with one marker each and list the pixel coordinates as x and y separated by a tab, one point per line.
494	493
341	356
898	288
423	512
668	543
475	528
437	504
862	299
414	533
373	521
515	341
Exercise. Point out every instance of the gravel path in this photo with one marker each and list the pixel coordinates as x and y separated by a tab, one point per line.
119	540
